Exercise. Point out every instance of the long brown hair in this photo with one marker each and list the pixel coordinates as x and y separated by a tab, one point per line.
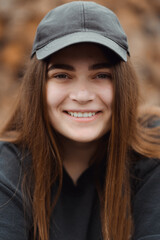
29	127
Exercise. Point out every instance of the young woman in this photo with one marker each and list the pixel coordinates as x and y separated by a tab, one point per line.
76	160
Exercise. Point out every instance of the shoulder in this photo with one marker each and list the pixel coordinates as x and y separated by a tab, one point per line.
145	198
12	164
12	221
10	156
142	170
8	148
144	166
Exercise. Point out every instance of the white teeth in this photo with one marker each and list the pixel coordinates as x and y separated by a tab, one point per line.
80	114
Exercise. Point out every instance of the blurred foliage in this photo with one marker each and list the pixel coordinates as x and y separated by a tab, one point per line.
18	23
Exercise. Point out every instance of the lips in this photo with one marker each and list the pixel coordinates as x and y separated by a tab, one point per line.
82	111
82	115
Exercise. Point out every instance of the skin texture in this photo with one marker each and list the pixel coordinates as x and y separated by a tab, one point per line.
83	86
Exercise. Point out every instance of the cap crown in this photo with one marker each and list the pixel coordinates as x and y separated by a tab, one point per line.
79	16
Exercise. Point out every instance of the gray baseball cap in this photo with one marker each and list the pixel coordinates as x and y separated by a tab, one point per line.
78	22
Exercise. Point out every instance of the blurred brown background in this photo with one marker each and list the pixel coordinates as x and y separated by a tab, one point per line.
19	19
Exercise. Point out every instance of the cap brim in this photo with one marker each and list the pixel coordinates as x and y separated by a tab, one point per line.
80	37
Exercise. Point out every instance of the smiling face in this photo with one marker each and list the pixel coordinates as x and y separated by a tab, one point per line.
80	92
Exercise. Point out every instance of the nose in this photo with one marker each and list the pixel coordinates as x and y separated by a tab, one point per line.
82	95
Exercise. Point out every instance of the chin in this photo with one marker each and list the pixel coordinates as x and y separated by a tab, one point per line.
84	139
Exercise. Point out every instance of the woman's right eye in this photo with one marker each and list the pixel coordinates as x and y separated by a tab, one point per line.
61	75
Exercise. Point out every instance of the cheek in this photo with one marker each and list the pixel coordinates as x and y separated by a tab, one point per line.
54	94
107	95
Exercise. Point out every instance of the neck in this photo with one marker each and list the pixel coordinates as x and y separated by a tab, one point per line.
77	156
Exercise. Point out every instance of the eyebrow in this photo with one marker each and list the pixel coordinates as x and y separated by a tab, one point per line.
99	66
71	68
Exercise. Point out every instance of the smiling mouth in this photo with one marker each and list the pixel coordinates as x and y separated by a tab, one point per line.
82	114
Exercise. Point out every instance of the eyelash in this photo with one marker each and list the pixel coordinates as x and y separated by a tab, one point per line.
100	76
61	75
104	75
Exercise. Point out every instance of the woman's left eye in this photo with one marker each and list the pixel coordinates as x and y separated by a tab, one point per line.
103	75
